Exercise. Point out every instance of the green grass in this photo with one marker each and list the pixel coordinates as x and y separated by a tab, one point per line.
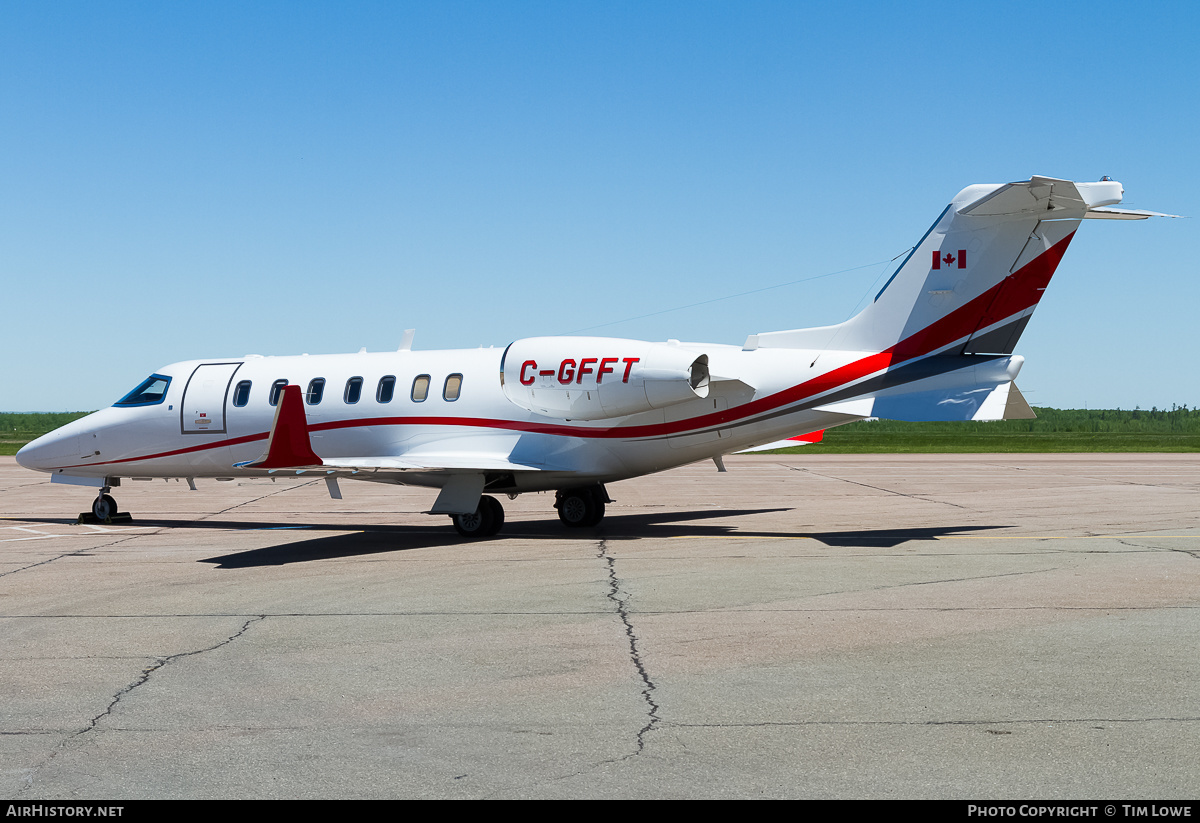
837	442
1055	430
17	429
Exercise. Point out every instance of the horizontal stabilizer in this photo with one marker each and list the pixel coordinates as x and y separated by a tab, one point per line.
1039	195
1124	214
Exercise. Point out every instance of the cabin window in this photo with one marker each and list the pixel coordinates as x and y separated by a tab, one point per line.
452	387
151	390
420	389
353	390
276	390
316	390
387	388
241	394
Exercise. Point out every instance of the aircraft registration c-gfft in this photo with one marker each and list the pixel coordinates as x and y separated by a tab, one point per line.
572	414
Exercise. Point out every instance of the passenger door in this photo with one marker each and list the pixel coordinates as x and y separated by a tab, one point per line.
204	398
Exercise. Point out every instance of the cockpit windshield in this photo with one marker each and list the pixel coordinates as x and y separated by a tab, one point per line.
152	390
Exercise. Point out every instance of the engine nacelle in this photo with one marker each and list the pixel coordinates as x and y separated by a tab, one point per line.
592	378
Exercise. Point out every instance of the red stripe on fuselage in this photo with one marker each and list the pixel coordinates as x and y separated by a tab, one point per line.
234	441
1019	291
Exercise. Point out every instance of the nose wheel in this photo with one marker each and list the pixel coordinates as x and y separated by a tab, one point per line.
104	506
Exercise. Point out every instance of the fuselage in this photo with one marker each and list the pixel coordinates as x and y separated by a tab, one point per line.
434	408
563	413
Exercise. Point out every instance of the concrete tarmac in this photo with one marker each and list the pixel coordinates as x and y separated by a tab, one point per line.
965	626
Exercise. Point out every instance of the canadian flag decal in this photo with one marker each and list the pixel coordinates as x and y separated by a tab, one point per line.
949	258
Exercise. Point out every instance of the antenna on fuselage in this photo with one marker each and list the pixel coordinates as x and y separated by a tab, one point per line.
406	343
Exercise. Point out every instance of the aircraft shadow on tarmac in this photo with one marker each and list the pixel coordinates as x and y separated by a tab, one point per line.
378	539
353	541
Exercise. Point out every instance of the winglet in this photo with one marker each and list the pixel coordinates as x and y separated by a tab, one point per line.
289	445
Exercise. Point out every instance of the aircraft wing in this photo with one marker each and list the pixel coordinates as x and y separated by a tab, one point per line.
431	462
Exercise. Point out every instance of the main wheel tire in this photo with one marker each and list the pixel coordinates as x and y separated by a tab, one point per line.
485	521
497	513
597	511
578	508
104	507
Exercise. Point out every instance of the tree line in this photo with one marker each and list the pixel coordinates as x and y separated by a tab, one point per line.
1176	420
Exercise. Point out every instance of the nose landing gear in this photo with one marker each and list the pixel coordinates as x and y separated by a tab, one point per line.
104	506
104	510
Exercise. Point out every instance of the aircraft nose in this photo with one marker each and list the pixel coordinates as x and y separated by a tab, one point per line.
49	450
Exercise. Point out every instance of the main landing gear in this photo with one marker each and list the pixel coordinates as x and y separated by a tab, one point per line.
577	508
485	521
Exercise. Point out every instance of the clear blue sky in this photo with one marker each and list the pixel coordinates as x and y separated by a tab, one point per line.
204	179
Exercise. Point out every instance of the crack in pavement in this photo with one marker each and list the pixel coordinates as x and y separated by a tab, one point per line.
1189	552
27	779
620	601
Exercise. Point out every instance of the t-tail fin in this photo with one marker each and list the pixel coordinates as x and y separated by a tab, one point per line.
937	341
971	283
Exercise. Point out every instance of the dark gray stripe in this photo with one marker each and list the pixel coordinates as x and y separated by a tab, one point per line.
908	373
1000	340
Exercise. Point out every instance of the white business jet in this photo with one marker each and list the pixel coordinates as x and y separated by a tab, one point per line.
571	414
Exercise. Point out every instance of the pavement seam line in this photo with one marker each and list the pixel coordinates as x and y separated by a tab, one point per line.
923	498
